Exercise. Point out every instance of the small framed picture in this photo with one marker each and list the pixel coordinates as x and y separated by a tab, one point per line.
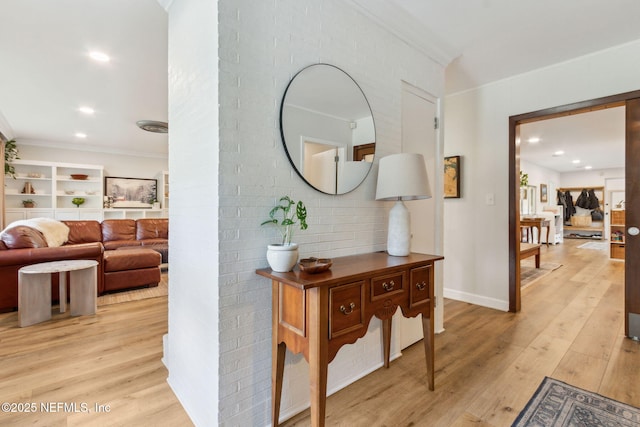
543	193
452	177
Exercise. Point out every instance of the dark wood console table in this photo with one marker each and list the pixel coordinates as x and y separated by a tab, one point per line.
316	314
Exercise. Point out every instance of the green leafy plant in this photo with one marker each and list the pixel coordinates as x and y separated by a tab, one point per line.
10	154
284	216
28	203
77	201
524	179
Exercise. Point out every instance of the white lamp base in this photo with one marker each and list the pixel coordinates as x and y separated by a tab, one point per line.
399	237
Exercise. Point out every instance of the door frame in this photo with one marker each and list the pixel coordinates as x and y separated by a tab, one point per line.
514	179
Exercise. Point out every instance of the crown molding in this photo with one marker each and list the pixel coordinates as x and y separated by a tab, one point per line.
92	148
400	23
165	4
5	128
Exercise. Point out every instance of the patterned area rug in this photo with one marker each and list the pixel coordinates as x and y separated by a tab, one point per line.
598	246
530	274
137	294
557	404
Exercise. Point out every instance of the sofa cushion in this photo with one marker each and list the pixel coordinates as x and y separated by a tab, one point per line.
118	229
130	259
115	244
83	232
21	236
152	228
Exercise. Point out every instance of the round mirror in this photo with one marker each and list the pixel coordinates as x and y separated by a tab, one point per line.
327	129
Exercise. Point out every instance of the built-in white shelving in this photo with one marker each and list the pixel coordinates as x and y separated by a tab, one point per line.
53	189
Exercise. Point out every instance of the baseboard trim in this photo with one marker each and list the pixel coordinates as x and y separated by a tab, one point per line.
476	299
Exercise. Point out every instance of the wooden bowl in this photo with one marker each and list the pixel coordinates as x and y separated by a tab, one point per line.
315	265
79	176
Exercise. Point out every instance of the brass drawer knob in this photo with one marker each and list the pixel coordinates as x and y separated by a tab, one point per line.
388	286
346	311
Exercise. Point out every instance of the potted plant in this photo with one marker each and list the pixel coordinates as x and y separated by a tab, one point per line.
28	203
77	201
10	154
285	216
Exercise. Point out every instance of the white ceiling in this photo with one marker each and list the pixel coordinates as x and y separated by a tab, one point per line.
46	74
596	139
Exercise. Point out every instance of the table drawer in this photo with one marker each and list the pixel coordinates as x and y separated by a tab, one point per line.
420	286
385	286
346	311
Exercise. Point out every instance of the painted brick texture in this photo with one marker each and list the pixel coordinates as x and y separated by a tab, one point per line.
262	45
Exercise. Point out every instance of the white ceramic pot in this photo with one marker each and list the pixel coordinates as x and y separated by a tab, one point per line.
282	258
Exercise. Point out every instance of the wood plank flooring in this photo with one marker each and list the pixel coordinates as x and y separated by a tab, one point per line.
488	363
113	358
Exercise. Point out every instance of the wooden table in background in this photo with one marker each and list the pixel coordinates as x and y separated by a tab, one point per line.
537	223
316	314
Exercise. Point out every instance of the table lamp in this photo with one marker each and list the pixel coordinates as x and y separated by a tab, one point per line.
401	177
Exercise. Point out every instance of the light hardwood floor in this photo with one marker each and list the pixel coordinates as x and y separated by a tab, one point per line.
113	358
488	363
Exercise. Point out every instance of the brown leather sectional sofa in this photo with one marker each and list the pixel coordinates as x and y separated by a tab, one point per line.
121	247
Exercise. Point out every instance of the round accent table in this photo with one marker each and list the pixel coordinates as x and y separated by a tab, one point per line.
34	289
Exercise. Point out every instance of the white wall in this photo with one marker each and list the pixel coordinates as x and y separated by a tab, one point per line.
589	179
114	164
191	348
476	127
262	46
541	175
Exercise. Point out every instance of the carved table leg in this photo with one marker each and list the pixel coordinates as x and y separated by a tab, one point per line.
428	332
386	340
277	370
318	354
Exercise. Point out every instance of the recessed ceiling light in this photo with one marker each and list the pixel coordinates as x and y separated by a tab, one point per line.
588	167
81	135
533	140
558	153
99	56
576	161
86	110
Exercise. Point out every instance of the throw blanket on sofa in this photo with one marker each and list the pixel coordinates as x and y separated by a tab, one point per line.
55	232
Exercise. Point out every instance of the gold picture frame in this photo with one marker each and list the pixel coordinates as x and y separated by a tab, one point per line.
452	177
543	193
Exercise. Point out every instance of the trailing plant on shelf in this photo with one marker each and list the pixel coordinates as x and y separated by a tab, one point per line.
288	211
10	154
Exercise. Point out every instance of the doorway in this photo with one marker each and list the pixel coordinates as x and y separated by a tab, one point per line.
632	178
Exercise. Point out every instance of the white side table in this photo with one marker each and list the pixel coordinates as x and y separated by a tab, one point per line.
34	289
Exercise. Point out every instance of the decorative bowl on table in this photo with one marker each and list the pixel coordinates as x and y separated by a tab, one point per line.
315	265
79	176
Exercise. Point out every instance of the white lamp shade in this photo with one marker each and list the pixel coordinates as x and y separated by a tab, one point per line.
403	177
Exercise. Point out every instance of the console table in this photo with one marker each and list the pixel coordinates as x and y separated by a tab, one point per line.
316	314
537	223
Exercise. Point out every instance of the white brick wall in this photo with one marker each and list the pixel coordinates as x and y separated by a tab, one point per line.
192	347
262	45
